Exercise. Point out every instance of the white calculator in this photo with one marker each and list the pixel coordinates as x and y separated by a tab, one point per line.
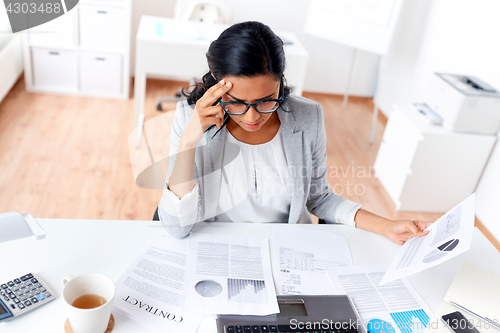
23	294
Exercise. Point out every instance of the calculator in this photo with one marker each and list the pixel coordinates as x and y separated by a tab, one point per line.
23	294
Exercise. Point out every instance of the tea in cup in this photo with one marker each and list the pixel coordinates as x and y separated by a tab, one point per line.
88	299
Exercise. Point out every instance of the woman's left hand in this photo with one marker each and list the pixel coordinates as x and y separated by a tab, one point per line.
401	231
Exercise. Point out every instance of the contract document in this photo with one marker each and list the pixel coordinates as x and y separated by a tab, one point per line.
301	257
229	275
392	308
151	288
449	236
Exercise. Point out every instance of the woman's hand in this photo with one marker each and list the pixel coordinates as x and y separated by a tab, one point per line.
401	231
397	231
205	113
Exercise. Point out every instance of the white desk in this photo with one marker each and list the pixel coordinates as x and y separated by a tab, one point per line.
164	47
108	247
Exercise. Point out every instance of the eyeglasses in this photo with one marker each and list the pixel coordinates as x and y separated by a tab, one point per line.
235	108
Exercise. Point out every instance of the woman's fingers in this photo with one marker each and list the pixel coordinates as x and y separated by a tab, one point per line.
214	93
422	225
212	115
414	228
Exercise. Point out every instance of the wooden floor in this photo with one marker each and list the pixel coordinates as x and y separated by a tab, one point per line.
67	156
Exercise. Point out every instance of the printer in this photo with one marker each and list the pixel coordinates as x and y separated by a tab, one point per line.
465	103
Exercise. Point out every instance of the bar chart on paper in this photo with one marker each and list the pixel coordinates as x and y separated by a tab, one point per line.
246	290
411	321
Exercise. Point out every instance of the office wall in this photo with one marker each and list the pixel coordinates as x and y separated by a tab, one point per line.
328	63
458	36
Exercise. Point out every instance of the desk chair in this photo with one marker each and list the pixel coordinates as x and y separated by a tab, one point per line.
211	11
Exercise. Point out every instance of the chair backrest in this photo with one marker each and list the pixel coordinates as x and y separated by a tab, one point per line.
210	11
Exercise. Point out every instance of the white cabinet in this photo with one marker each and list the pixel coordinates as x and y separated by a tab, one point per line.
54	68
101	26
424	167
58	32
100	72
83	52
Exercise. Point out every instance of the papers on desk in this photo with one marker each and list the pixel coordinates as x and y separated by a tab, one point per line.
229	275
151	288
448	237
392	308
301	257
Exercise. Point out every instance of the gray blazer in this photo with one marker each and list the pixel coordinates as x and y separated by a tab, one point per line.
304	140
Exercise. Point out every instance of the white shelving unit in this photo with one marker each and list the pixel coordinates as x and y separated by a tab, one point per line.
426	168
11	62
83	52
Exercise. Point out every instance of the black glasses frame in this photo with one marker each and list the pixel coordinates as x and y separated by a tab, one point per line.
279	100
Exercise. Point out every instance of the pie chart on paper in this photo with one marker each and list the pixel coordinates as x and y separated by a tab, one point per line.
441	251
379	326
208	288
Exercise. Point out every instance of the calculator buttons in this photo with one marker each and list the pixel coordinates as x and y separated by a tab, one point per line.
26	277
255	328
25	293
247	329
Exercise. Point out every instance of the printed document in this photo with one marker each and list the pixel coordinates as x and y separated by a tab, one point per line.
151	288
229	275
301	257
392	308
448	237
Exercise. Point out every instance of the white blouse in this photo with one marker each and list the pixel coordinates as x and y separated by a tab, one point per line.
255	186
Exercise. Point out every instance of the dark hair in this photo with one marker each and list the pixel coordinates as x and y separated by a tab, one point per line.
244	49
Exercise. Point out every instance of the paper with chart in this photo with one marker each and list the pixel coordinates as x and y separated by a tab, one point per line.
395	307
151	288
229	275
449	236
301	257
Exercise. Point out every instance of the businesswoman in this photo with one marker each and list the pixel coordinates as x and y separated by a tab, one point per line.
243	149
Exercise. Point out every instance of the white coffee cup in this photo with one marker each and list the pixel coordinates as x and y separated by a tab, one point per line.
93	320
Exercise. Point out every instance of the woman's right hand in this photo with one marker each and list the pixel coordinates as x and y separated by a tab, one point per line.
205	113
